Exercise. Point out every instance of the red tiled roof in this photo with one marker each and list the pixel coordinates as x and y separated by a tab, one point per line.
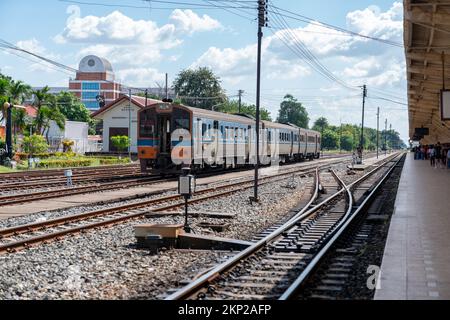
136	100
31	111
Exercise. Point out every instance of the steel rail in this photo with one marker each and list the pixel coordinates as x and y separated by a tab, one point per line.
37	226
199	283
342	227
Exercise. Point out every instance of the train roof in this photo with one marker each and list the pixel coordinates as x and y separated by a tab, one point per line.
247	119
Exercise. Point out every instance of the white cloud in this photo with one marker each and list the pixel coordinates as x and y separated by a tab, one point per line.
34	46
134	46
189	22
141	77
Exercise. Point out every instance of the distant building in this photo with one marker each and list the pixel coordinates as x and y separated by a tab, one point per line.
94	82
117	117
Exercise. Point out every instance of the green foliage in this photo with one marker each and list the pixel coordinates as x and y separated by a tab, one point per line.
65	163
149	95
292	111
232	107
35	144
67	145
330	139
114	161
202	87
347	137
120	142
321	124
18	91
72	108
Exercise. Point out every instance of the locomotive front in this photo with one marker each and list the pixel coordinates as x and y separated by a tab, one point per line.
164	137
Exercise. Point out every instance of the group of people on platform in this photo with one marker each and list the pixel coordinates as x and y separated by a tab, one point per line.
437	154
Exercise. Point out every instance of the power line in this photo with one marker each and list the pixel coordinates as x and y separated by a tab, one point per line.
176	3
302	18
301	50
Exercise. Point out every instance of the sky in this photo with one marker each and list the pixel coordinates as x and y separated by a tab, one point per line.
145	39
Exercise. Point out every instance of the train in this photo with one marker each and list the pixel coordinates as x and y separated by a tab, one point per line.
172	136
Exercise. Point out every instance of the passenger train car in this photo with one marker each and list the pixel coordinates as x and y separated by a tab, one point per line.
171	136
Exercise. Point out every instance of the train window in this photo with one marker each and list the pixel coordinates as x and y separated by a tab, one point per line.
302	138
147	124
203	129
181	119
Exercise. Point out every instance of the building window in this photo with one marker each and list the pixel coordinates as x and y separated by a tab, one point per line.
90	86
91	104
89	95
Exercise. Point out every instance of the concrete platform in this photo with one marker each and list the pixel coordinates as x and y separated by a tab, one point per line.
417	256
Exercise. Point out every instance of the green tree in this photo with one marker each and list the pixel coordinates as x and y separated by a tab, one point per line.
232	107
347	141
20	120
72	108
35	144
199	88
19	91
321	124
292	111
330	140
5	84
120	142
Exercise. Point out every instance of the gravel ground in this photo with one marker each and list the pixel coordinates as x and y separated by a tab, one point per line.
104	264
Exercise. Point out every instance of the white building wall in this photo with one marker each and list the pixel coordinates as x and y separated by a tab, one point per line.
75	131
118	117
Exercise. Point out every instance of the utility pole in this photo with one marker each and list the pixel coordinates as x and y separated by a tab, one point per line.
129	124
146	97
340	136
378	131
240	92
361	144
261	23
385	139
167	86
390	135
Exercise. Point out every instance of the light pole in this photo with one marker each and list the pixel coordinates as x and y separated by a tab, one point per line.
8	106
378	129
129	124
261	24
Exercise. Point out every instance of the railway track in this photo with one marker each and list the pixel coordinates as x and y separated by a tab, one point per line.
58	174
27	235
276	266
63	190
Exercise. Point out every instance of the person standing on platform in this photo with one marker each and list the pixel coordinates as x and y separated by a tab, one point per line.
422	153
448	159
438	152
432	155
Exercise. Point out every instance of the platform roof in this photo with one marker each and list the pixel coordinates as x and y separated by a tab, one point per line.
427	45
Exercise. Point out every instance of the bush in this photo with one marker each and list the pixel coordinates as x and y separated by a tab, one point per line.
121	142
64	163
112	161
67	145
35	144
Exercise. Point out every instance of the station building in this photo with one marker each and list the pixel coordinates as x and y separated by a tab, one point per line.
120	119
95	83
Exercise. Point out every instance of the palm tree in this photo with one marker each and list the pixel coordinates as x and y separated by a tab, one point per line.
4	92
41	98
19	91
20	120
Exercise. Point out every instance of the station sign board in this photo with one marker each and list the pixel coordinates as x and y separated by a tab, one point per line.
445	105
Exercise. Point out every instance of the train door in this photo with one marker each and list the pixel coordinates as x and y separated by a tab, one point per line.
215	137
164	134
292	144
